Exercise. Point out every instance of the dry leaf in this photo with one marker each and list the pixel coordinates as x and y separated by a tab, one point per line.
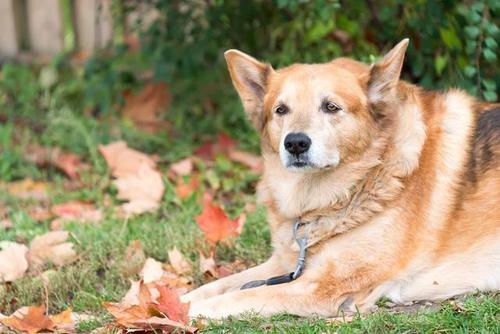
143	108
123	160
210	150
164	311
64	322
69	163
185	189
28	189
152	271
182	168
29	319
13	262
143	190
179	262
6	224
52	247
215	224
133	260
207	265
74	211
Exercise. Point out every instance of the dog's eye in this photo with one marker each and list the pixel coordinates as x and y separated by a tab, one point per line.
330	107
281	109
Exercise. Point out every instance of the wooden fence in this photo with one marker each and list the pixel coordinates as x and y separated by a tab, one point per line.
47	27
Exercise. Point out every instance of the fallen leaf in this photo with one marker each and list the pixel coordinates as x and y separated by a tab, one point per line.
133	260
210	150
169	304
143	190
13	261
185	189
152	271
207	265
77	210
179	262
122	160
28	189
215	224
52	247
6	224
69	163
29	319
39	213
182	168
64	322
144	107
164	311
254	162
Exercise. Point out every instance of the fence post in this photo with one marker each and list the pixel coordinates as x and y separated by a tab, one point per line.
93	24
45	26
10	27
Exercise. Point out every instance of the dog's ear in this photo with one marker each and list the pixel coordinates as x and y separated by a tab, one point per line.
384	75
250	80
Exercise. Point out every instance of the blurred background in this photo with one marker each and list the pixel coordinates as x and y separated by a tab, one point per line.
79	72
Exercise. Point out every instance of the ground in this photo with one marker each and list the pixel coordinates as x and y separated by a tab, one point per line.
97	275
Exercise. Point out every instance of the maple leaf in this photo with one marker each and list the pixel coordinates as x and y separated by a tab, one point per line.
182	168
143	190
143	108
252	161
123	160
152	271
69	163
52	247
163	311
29	319
13	262
207	265
210	150
185	189
74	210
215	224
179	262
169	304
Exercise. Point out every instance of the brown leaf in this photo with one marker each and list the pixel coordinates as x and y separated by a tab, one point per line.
179	262
215	224
133	260
52	247
13	261
207	265
123	160
77	210
29	319
143	190
64	322
69	163
28	189
152	271
143	108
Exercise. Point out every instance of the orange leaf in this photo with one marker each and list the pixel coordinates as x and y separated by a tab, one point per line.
169	304
185	189
29	319
210	150
215	224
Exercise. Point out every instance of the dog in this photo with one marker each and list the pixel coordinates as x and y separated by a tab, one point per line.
391	190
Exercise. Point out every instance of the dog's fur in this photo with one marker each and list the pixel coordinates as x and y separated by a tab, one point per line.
401	190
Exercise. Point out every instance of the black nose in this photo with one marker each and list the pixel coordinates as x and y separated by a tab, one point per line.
297	143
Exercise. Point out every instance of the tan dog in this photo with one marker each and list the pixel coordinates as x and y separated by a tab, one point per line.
398	189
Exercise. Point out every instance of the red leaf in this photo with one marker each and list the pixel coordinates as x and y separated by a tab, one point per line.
215	224
169	304
210	150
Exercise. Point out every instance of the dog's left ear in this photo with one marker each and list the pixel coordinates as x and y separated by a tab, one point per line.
384	75
249	77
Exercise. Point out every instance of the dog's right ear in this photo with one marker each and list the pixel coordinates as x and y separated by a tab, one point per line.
250	80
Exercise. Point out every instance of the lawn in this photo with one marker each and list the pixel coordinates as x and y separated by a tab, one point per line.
104	267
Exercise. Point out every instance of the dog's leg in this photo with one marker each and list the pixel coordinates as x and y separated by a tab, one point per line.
263	271
297	297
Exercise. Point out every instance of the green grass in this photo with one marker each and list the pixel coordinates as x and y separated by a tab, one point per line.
98	274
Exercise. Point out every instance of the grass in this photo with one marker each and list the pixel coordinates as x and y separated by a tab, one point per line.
98	274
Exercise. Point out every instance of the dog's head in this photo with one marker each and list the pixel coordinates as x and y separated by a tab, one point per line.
315	116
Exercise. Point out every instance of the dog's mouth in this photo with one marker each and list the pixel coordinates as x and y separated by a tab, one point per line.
300	162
